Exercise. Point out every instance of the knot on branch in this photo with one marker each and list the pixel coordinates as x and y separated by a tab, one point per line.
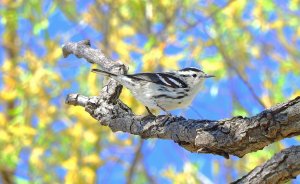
75	48
269	125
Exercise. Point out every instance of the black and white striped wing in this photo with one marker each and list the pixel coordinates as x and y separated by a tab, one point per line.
164	79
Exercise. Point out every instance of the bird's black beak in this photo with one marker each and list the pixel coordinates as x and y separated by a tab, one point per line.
209	76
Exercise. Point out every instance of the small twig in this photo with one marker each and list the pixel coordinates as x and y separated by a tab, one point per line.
228	61
150	179
211	15
136	159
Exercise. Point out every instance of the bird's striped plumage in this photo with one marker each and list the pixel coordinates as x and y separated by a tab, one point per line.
164	79
164	90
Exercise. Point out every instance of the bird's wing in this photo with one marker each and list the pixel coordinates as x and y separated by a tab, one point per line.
164	79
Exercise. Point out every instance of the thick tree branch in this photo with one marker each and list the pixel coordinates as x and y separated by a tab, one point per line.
83	49
279	169
236	136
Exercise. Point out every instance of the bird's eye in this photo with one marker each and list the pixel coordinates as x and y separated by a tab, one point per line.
194	75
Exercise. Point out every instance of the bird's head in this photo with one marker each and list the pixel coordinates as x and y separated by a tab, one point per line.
193	76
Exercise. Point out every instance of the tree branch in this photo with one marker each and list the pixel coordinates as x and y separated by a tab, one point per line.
229	62
279	169
83	49
135	161
7	176
190	26
236	136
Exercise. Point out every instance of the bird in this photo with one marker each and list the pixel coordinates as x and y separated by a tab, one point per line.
163	90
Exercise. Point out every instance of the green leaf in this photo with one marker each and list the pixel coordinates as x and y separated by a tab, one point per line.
150	43
20	180
239	112
268	5
38	27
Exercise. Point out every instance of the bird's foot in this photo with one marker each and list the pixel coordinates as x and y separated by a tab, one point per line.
164	118
150	114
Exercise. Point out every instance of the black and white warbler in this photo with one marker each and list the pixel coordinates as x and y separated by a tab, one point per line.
164	91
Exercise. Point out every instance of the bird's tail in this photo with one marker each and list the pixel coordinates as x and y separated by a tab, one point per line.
102	72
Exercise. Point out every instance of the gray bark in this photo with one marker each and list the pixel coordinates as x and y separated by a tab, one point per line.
279	169
235	136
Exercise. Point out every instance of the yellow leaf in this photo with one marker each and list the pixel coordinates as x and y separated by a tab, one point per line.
296	94
123	49
235	7
4	136
35	159
91	80
9	149
216	167
72	177
126	31
54	53
76	130
88	174
8	94
152	58
7	66
71	164
90	136
129	100
255	51
2	120
171	62
128	142
78	113
51	109
277	24
125	12
266	100
92	159
112	137
114	21
21	130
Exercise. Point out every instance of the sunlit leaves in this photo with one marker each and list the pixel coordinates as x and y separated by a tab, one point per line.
54	53
127	98
8	94
92	159
88	174
35	157
71	163
214	65
9	156
38	27
188	175
294	5
68	8
250	161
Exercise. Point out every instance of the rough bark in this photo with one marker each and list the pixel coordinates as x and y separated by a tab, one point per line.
235	136
279	169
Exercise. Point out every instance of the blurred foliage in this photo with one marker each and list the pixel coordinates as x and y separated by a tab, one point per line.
189	174
254	42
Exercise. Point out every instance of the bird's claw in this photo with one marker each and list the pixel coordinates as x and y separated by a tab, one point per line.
163	118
